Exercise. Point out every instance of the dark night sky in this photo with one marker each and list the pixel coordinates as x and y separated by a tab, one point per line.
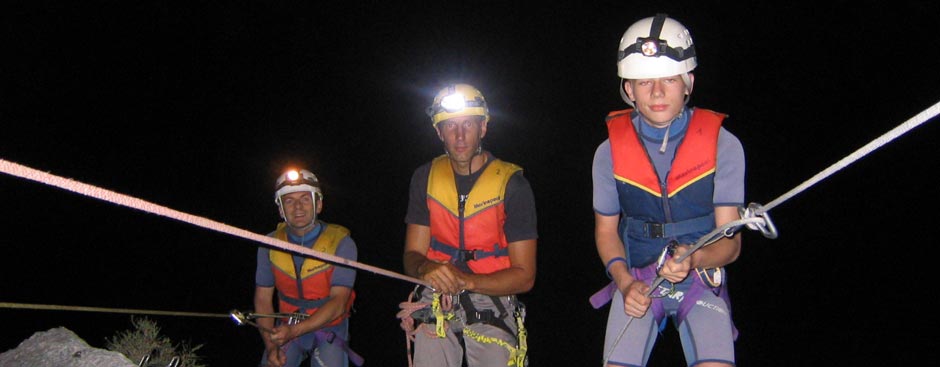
199	107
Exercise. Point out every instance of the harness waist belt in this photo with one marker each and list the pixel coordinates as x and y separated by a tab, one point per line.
462	256
665	230
304	303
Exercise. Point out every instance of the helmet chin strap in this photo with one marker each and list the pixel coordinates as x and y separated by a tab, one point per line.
662	148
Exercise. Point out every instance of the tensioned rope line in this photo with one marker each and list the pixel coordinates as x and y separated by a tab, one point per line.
911	123
133	202
33	306
759	211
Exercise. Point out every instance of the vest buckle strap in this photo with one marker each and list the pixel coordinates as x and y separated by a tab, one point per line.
654	230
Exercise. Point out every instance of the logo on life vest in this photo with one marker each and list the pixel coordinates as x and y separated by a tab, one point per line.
485	203
694	168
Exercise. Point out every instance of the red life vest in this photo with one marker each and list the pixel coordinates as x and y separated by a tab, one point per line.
474	230
306	293
684	204
694	159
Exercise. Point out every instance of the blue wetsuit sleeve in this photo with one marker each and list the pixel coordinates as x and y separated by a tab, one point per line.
729	173
345	276
263	275
606	201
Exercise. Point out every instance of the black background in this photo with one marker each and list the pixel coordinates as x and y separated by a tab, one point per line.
198	107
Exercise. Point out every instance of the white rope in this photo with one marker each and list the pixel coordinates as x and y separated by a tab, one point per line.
132	202
911	123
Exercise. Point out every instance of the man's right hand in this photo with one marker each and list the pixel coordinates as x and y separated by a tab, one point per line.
443	277
635	299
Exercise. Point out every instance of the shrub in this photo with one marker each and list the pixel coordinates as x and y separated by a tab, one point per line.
145	340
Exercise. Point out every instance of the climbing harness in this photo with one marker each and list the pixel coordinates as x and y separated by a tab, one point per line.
726	230
293	319
440	310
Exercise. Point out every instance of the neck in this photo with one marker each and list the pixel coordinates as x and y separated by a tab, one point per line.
472	166
301	231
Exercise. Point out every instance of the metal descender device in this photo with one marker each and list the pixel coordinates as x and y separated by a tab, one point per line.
241	318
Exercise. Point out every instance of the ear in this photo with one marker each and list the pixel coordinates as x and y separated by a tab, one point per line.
628	88
483	128
438	130
688	88
319	204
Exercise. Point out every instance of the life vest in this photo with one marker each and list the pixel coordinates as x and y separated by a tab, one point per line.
681	210
469	233
308	292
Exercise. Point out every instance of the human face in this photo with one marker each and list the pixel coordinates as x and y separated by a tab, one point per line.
462	137
299	210
659	100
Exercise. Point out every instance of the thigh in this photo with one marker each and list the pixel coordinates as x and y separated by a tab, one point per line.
488	346
296	351
636	341
707	331
432	351
329	355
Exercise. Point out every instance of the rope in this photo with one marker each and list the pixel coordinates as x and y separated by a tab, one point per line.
132	202
911	123
32	306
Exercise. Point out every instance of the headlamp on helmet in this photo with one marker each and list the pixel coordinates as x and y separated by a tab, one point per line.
296	181
455	101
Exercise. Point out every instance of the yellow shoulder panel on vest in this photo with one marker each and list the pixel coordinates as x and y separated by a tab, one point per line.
326	243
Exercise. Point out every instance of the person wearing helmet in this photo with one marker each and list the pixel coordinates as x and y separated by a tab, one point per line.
321	295
667	175
471	234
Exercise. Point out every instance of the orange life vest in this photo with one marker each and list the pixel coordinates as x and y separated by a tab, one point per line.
309	291
469	234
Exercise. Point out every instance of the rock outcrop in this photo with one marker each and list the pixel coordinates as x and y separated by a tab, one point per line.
60	347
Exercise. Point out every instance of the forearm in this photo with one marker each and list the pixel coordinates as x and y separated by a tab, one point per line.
263	303
723	251
518	278
611	250
417	243
330	311
719	253
505	282
414	263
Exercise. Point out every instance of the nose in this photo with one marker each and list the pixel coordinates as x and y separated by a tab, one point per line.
658	89
461	132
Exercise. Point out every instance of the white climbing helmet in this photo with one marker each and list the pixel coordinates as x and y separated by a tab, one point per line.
655	47
294	181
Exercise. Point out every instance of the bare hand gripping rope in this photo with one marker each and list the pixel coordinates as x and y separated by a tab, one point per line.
755	216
